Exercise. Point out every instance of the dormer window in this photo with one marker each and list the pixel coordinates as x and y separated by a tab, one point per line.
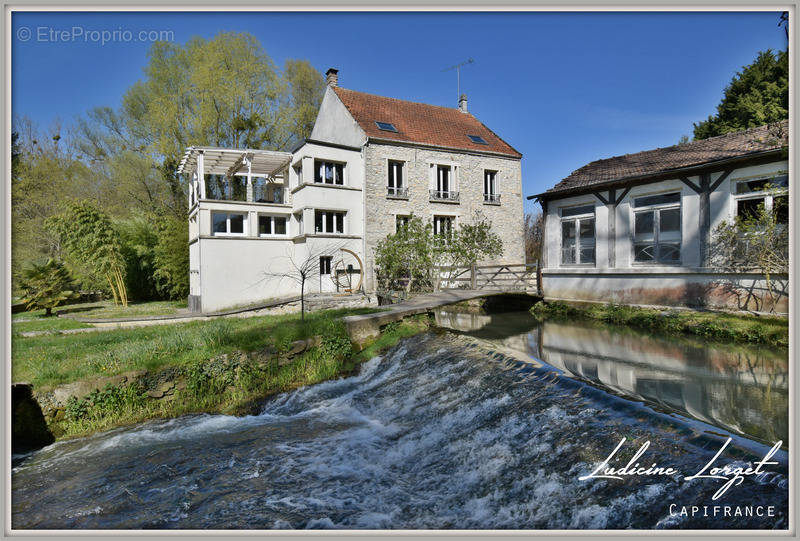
477	139
386	126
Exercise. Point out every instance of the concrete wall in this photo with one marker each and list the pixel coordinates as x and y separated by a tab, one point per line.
335	124
381	211
640	283
698	288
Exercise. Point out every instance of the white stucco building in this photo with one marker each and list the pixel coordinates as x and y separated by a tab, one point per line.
369	163
638	228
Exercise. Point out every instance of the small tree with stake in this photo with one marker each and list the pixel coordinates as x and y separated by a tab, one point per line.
45	286
302	269
756	242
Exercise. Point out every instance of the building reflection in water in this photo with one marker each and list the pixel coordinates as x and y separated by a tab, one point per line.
742	389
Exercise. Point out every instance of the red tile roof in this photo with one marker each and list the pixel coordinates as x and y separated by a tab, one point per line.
421	123
662	160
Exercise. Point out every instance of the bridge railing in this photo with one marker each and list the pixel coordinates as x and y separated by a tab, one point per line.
511	277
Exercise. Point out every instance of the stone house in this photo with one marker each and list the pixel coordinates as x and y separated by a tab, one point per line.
369	163
638	228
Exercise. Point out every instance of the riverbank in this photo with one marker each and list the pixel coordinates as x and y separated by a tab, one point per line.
717	326
92	382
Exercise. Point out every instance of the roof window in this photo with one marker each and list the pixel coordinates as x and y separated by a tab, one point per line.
386	126
477	139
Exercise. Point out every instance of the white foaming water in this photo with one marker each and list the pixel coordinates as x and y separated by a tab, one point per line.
435	434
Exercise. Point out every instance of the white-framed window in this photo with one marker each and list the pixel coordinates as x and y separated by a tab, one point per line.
325	262
329	221
326	172
443	225
490	193
578	235
299	217
298	172
272	225
443	178
657	228
770	193
401	221
396	184
228	223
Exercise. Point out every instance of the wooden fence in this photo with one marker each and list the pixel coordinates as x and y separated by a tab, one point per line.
519	277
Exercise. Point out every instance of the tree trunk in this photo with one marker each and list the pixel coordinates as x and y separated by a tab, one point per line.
48	311
302	300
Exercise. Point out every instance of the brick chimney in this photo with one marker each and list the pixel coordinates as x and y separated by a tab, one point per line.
332	77
462	103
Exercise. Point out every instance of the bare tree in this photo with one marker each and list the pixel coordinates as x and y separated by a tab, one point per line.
534	232
300	270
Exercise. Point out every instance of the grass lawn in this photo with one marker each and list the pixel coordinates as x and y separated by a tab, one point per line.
107	309
50	360
208	358
37	321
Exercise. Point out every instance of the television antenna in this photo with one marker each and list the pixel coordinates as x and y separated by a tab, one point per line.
458	67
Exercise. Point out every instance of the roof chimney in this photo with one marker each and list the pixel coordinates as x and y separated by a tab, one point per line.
462	103
332	77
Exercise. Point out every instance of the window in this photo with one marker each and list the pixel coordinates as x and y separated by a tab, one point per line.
477	139
325	264
577	235
657	229
328	221
751	198
228	223
328	172
400	222
298	171
443	225
271	225
396	184
761	184
443	182
490	194
386	126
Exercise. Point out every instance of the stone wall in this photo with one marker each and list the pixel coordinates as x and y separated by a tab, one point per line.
381	211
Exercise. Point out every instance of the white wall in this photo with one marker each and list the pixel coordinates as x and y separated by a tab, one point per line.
335	124
722	208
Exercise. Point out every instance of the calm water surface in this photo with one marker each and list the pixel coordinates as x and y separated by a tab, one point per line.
444	431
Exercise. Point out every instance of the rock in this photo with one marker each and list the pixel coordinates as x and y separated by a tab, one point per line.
155	393
180	386
297	347
28	428
166	387
58	415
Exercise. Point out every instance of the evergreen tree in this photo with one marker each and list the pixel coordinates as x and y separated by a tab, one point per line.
757	95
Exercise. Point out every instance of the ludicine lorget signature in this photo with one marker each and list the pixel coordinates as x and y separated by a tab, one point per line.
731	474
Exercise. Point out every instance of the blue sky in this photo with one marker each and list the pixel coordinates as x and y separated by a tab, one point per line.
562	88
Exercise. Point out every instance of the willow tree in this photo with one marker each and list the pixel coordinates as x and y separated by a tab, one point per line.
87	234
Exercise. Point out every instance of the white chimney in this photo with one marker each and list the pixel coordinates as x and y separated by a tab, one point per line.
332	77
462	103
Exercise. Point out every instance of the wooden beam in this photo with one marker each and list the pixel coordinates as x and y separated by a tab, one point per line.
622	195
600	197
691	184
705	217
236	167
722	177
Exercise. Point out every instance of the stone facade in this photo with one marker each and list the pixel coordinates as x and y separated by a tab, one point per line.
381	210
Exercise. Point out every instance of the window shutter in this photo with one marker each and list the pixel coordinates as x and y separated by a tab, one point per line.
432	177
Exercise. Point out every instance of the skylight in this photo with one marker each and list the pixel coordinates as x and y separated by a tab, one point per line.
386	126
477	139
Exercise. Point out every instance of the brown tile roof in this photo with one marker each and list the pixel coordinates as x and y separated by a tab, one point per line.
421	123
663	160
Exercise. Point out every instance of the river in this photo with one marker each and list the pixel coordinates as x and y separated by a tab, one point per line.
489	426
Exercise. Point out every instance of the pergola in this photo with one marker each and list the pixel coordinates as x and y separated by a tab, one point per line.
200	161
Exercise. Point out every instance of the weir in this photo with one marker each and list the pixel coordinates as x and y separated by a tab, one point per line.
361	328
